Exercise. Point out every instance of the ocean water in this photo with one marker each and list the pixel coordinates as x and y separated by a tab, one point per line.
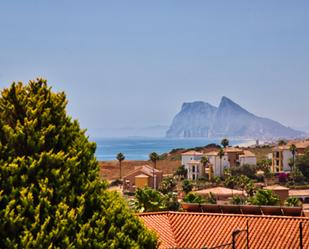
137	148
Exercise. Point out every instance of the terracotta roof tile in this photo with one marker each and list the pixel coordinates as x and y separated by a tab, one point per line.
276	187
192	153
198	230
144	169
247	153
220	191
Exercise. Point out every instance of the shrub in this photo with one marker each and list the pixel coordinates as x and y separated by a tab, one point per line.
292	202
238	200
264	197
167	185
187	186
246	169
193	198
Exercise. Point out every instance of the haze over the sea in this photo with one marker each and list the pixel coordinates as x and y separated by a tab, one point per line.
139	148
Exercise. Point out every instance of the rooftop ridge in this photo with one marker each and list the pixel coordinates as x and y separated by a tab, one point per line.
222	214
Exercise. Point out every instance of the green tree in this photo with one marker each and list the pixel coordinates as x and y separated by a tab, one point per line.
181	171
282	142
264	197
246	169
154	157
50	192
230	182
238	200
292	202
293	151
193	198
302	163
187	186
204	160
221	155
211	198
149	200
264	165
120	157
167	185
225	142
171	201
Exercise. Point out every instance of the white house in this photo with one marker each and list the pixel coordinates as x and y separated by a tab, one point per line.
247	158
191	161
232	157
216	163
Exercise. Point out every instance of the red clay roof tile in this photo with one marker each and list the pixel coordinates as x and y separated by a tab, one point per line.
200	230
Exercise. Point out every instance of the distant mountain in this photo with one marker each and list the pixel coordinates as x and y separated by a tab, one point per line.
200	119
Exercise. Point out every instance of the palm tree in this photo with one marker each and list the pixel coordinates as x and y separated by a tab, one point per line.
221	154
120	157
281	142
204	161
293	150
154	157
225	142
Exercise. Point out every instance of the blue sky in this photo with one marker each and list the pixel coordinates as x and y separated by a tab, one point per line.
133	63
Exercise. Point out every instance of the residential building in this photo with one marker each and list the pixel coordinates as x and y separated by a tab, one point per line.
218	164
281	155
142	176
247	157
209	230
192	162
232	157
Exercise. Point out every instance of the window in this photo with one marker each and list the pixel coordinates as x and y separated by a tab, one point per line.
193	176
193	168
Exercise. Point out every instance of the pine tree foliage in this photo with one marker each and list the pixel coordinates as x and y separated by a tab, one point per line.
50	193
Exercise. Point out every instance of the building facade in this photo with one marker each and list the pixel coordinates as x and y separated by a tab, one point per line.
282	155
142	176
192	162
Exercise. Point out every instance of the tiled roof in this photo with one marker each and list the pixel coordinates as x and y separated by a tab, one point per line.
192	153
233	150
220	191
299	192
247	153
141	176
201	230
299	145
303	144
144	169
276	187
212	153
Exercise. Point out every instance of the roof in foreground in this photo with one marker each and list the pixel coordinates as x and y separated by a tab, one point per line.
201	230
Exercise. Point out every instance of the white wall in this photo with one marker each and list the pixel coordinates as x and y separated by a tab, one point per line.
215	161
286	156
247	160
185	159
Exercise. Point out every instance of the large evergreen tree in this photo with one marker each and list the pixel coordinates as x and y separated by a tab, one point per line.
50	193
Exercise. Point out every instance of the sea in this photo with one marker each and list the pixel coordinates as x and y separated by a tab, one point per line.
139	148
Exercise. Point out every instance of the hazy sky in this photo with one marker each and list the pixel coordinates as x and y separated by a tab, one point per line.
133	63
